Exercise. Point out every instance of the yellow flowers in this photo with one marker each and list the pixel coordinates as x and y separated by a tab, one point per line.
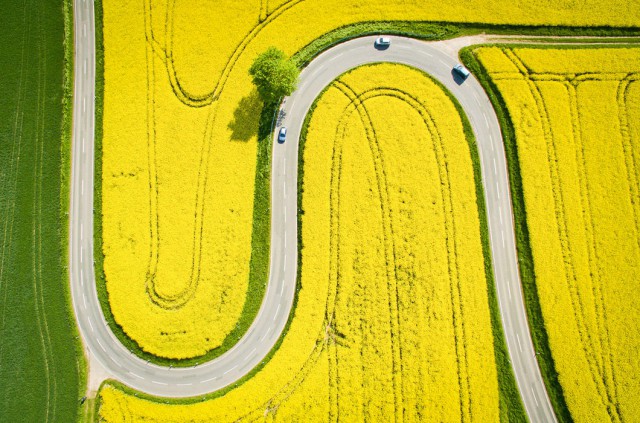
180	150
176	205
576	114
392	317
390	217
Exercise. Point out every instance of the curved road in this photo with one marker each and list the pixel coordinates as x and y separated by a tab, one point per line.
437	59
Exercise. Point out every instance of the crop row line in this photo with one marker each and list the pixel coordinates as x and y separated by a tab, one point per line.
357	103
630	160
179	299
592	251
457	304
328	338
264	9
326	334
193	100
334	267
560	77
8	202
578	303
38	279
456	298
273	403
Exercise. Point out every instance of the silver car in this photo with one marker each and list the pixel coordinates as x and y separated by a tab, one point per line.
282	135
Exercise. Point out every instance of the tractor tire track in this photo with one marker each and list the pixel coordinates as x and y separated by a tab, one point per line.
588	342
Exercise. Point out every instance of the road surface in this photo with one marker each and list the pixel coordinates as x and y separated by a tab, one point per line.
106	352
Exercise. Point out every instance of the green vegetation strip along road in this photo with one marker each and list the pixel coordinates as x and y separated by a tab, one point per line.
41	365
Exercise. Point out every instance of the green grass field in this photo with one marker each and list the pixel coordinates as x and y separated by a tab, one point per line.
41	368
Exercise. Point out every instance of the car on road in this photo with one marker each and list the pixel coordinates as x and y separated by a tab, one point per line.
462	71
382	42
282	135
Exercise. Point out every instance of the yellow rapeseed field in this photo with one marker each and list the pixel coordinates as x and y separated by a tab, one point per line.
179	148
576	114
392	316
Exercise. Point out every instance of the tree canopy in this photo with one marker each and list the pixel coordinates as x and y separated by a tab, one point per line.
274	75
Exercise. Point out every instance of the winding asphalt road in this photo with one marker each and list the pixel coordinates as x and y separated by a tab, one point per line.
105	351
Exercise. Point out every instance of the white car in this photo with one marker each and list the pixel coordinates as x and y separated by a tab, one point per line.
383	41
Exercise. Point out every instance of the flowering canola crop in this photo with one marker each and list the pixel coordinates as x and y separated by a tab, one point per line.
179	147
576	114
392	318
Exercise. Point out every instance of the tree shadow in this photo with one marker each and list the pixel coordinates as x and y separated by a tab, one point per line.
281	115
244	124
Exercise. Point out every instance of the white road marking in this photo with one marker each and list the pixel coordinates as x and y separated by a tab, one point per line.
277	311
184	384
509	290
84	300
208	380
265	335
82	187
285	263
497	190
83	145
519	345
445	64
90	325
246	357
502	234
100	343
80	258
534	396
500	215
133	374
85	67
495	168
159	383
81	231
486	121
230	369
337	56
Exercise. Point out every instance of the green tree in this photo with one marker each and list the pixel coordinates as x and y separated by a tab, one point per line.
274	75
